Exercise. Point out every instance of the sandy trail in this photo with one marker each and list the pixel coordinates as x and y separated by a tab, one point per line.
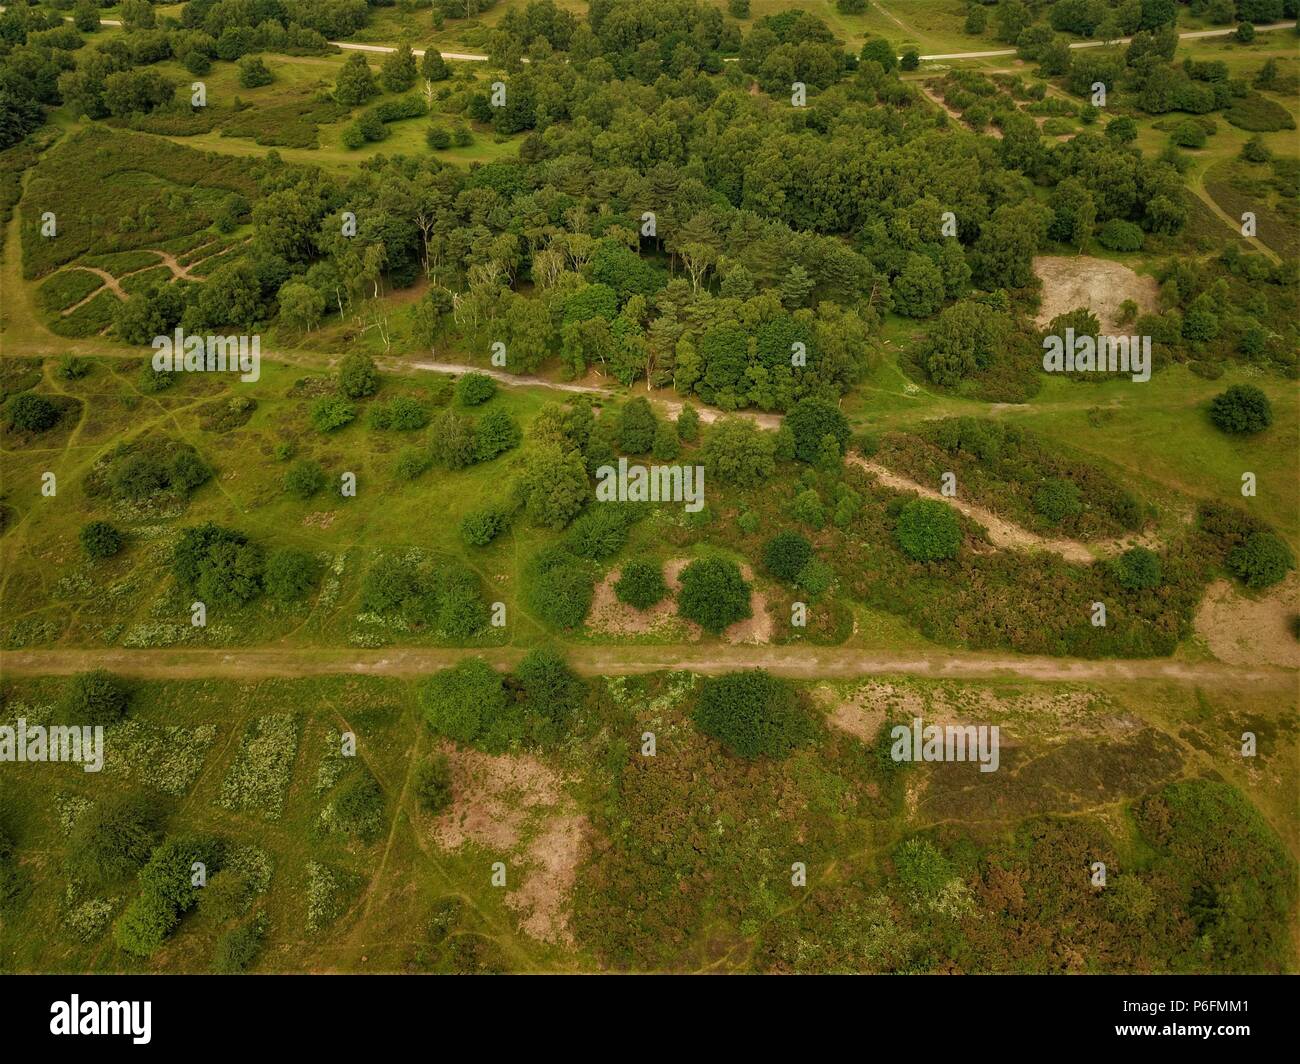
799	662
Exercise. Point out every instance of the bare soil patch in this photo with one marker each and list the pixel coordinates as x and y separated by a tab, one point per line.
1073	281
1251	631
515	805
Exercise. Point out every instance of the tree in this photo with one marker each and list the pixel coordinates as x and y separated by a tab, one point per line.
928	531
1261	561
304	478
552	694
911	60
636	426
1138	569
810	421
475	389
358	376
554	486
85	16
301	305
599	533
253	72
737	452
713	594
495	433
688	424
667	447
641	584
99	540
462	702
29	412
113	838
219	564
398	72
559	587
290	574
1242	409
754	714
94	698
433	67
785	555
356	83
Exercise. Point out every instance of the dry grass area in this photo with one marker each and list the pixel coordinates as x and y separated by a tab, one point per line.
1073	281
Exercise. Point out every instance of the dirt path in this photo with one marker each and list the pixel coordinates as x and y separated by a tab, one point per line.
799	661
1002	532
952	112
1190	35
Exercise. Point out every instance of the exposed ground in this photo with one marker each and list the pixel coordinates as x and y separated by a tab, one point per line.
1073	281
1251	630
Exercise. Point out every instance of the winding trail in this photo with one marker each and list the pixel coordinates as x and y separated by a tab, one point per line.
798	661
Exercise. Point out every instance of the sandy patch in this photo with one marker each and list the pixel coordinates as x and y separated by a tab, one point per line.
610	616
1251	631
1073	281
498	802
320	519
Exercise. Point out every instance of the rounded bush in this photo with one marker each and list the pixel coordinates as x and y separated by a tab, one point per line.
641	584
93	698
928	531
459	701
1138	569
475	389
29	412
1261	561
433	783
99	539
713	594
304	479
598	533
1057	498
1119	235
754	714
785	555
1241	410
290	574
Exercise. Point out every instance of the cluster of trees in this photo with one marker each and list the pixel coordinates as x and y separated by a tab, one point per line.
225	569
442	594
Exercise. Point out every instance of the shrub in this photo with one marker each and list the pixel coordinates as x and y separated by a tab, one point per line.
1138	569
29	412
411	462
495	433
785	555
1058	498
475	389
641	584
93	698
438	138
304	478
1119	235
253	72
1261	561
737	452
99	539
478	528
1188	134
358	377
227	896
331	413
713	594
236	949
72	368
667	447
290	574
220	564
113	838
810	420
468	703
559	587
688	424
598	533
433	783
637	426
754	714
1242	409
358	808
166	893
928	531
551	694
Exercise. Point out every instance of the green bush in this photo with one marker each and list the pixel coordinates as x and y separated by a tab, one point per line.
236	949
358	376
226	897
478	528
219	564
785	555
637	426
1241	410
811	420
1261	561
1058	498
495	433
29	412
600	532
559	587
290	575
304	478
99	539
331	413
93	698
357	809
1138	569
468	703
113	838
713	594
475	389
754	714
433	783
641	584
411	463
551	694
928	531
1119	235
